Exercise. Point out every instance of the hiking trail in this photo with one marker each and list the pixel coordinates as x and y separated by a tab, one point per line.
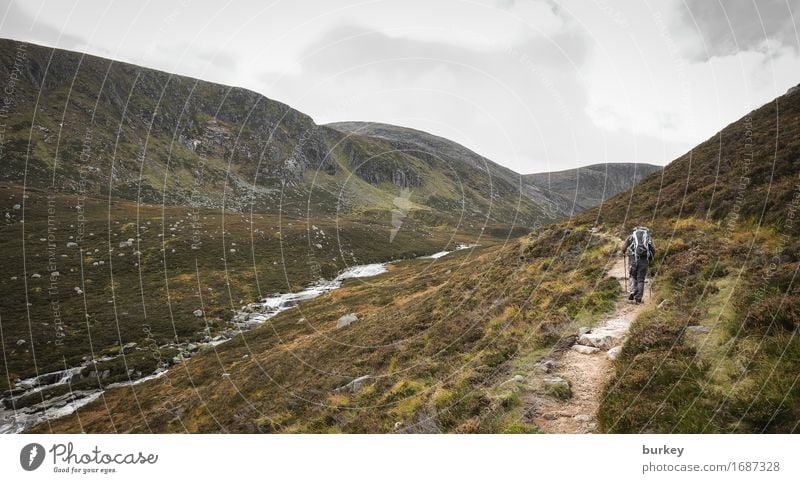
587	365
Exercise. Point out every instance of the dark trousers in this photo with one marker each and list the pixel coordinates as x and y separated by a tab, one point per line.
638	272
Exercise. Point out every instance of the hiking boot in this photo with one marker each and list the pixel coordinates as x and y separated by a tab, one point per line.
631	295
638	301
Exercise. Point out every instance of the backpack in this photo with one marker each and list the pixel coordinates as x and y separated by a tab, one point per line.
641	243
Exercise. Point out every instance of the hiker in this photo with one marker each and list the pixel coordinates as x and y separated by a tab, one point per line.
640	251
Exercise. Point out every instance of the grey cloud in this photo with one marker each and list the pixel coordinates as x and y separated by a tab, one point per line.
350	45
19	25
733	25
532	89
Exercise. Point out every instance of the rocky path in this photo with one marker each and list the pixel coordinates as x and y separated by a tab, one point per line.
587	366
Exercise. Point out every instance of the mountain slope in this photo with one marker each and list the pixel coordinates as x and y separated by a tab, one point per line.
136	200
105	128
722	353
587	186
460	344
503	181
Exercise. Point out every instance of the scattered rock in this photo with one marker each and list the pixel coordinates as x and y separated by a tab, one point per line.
198	313
583	417
518	378
129	347
613	353
36	275
697	329
585	349
545	366
355	385
21	342
346	320
583	330
71	244
663	304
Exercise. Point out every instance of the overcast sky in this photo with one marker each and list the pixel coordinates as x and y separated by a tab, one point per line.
535	85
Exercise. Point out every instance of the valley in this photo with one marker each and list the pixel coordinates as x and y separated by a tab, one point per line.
183	256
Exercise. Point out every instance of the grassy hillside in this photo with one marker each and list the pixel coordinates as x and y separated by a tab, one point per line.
108	292
441	342
461	344
226	197
722	352
457	344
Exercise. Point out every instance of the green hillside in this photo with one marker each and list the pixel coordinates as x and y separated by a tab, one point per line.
461	344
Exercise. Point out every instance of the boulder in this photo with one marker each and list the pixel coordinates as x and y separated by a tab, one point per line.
613	353
585	349
602	338
355	385
346	320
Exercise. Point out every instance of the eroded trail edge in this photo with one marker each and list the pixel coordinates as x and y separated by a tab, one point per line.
586	367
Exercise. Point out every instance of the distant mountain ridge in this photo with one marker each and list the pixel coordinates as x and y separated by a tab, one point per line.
563	193
587	186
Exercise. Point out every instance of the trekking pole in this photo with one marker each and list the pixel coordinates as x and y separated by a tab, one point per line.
626	274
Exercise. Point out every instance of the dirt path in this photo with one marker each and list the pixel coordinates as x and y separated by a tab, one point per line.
588	373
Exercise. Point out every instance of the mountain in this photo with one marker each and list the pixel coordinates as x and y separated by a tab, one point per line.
588	186
145	209
465	343
505	183
81	124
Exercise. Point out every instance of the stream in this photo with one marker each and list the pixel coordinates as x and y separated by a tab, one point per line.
252	315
